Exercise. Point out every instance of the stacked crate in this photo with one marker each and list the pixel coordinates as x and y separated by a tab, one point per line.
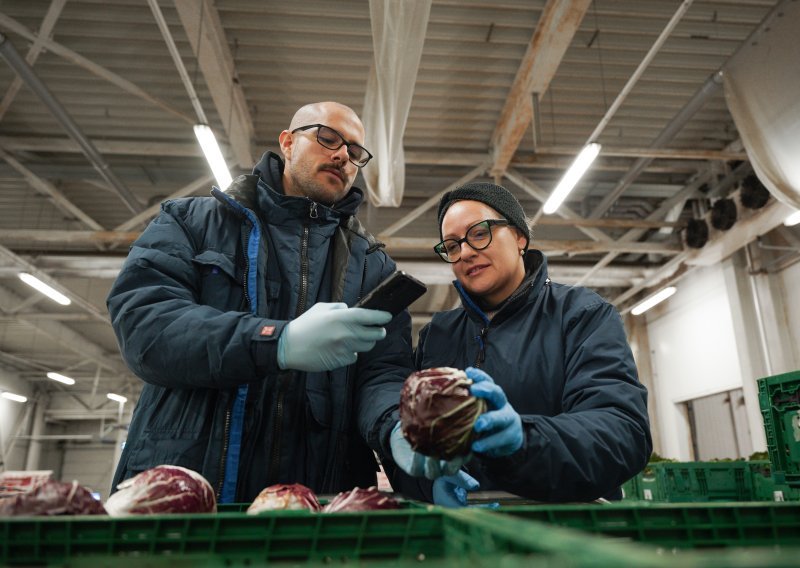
779	398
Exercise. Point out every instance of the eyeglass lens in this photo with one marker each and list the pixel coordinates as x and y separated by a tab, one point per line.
479	236
332	140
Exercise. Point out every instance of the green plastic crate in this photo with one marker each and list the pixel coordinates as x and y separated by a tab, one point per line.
692	482
413	537
286	536
677	526
436	536
779	398
769	485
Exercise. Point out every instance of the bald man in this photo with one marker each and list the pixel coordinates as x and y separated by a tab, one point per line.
233	310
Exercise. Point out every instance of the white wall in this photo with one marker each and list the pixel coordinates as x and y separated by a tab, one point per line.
693	351
790	287
725	328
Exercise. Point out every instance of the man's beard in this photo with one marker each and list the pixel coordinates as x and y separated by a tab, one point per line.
307	183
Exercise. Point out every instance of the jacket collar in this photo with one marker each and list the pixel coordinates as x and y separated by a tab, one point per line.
535	279
262	191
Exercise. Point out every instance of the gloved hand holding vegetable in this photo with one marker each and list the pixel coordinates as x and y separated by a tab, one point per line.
500	428
329	336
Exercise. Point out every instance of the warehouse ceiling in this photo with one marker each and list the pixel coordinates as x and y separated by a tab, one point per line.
507	91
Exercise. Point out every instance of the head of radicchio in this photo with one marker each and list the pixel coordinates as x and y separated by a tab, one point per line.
359	499
163	489
284	498
437	412
52	498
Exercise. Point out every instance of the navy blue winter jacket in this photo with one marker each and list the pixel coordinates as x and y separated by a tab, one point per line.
562	358
198	308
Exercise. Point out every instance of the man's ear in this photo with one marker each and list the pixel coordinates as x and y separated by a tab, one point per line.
286	140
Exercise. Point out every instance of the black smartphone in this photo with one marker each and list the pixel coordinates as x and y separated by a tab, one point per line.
394	294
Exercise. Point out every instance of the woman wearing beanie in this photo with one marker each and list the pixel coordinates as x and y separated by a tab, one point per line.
567	416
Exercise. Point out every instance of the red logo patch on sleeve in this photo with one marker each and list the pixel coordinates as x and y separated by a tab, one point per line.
267	330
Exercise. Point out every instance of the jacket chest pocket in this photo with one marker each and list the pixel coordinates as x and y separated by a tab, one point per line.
220	285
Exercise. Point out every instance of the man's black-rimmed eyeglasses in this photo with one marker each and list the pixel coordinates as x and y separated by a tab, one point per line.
332	140
479	236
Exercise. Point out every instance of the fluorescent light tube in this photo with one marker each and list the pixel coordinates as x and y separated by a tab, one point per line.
14	397
118	397
45	289
572	177
656	298
61	378
792	219
208	142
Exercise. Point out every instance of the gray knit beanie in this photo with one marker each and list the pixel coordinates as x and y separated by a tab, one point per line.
495	196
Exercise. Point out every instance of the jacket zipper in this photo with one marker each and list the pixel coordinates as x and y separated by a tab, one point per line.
481	339
226	434
286	377
222	458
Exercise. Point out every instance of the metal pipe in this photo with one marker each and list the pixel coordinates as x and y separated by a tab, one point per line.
21	67
654	49
708	88
176	58
762	330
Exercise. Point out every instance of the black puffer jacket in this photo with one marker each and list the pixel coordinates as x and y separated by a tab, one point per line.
198	307
561	356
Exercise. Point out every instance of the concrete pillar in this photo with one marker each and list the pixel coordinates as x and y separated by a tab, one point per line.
37	429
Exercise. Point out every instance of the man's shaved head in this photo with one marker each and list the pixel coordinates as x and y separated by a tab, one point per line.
311	169
311	113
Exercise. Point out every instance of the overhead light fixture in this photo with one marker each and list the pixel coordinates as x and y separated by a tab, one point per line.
208	142
45	289
792	219
117	397
656	298
61	378
572	177
14	397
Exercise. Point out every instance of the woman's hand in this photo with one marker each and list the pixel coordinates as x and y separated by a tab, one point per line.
501	426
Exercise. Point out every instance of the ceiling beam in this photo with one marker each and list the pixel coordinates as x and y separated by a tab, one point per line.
206	35
187	190
557	25
395	245
551	157
430	202
564	211
45	32
58	199
14	26
117	147
64	336
24	265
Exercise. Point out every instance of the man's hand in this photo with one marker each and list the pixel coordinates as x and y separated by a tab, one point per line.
329	336
451	490
500	427
416	464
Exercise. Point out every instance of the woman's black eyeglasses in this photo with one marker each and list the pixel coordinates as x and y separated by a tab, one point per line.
332	140
479	236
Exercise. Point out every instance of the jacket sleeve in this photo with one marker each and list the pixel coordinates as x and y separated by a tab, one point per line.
602	436
165	335
380	375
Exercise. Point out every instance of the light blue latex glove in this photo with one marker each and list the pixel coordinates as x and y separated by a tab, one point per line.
451	490
500	427
329	336
417	465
